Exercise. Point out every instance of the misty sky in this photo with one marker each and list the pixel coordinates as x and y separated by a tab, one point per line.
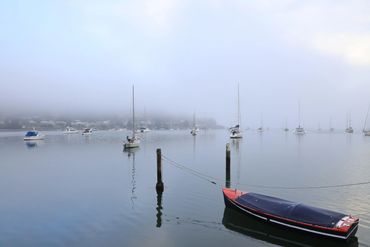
83	56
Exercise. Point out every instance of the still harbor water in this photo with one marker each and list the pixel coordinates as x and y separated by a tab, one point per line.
71	190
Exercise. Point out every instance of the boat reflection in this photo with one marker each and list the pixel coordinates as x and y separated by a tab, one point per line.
33	143
258	229
194	146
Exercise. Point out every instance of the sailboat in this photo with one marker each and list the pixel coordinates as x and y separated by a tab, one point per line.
366	131
260	129
286	126
143	128
299	130
319	127
331	129
235	132
194	131
349	128
133	141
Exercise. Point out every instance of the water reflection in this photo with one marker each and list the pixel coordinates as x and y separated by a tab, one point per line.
257	229
348	139
194	146
33	143
236	145
131	156
159	209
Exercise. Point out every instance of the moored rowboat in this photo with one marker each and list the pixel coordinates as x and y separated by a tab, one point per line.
292	215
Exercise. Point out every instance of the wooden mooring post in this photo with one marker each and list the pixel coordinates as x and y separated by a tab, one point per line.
159	186
228	179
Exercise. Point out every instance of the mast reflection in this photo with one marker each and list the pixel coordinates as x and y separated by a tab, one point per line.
131	156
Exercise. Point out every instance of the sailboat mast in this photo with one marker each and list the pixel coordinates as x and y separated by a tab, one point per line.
367	114
349	119
194	119
261	120
299	114
133	110
238	107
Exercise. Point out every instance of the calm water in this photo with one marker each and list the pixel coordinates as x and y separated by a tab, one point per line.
85	191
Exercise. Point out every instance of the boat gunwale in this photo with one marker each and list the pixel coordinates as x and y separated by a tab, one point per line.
317	229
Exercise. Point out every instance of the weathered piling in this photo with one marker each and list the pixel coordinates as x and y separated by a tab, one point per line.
159	186
228	179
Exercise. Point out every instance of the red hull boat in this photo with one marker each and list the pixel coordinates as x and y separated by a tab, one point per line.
293	215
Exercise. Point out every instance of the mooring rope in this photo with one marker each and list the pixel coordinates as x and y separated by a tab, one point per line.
213	179
190	170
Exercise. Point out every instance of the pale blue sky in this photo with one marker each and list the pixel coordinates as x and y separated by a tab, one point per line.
64	56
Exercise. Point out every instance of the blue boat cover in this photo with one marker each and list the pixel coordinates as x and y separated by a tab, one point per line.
31	133
290	210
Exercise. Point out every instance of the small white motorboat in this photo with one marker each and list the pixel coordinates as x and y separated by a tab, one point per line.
143	130
33	135
70	130
87	131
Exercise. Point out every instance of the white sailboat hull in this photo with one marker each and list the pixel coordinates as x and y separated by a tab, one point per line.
134	144
299	131
236	135
349	130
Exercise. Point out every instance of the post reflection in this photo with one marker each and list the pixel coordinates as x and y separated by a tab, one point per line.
277	235
159	209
